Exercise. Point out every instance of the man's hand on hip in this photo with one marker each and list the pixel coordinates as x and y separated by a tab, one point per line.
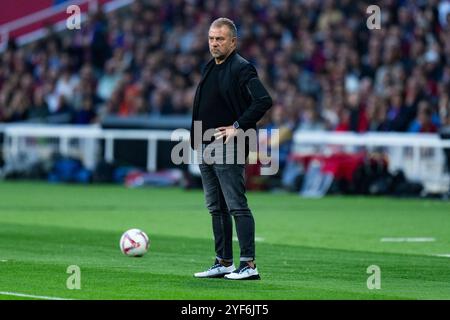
225	132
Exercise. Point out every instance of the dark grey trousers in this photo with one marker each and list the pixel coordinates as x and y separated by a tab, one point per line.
224	188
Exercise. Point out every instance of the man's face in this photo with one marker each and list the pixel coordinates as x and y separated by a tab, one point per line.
220	42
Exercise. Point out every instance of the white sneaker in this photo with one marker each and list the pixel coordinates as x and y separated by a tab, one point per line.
216	271
244	273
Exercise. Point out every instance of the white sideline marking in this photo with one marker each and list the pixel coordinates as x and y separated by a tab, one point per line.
257	239
417	239
444	255
16	294
3	260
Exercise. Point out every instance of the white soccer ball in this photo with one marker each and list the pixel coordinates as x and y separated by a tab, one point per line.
134	243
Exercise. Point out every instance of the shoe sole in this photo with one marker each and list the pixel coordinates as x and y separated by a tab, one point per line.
254	277
213	276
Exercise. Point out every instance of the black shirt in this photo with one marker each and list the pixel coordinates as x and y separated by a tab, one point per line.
213	110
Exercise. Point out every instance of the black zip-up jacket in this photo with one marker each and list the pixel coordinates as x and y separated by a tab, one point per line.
242	90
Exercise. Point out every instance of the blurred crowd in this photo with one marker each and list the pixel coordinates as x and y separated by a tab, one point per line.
322	65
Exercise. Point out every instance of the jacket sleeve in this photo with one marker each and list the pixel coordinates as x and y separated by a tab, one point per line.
260	98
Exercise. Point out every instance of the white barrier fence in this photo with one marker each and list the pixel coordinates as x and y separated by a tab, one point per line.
420	156
81	141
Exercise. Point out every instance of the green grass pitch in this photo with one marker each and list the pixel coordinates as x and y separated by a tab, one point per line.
306	249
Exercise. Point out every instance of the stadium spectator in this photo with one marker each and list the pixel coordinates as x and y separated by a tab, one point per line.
424	121
39	108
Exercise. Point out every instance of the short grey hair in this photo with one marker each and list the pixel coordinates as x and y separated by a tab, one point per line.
225	22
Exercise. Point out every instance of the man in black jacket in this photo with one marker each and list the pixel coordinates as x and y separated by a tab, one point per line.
229	101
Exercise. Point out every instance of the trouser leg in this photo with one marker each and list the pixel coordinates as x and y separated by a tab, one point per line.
232	182
222	224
